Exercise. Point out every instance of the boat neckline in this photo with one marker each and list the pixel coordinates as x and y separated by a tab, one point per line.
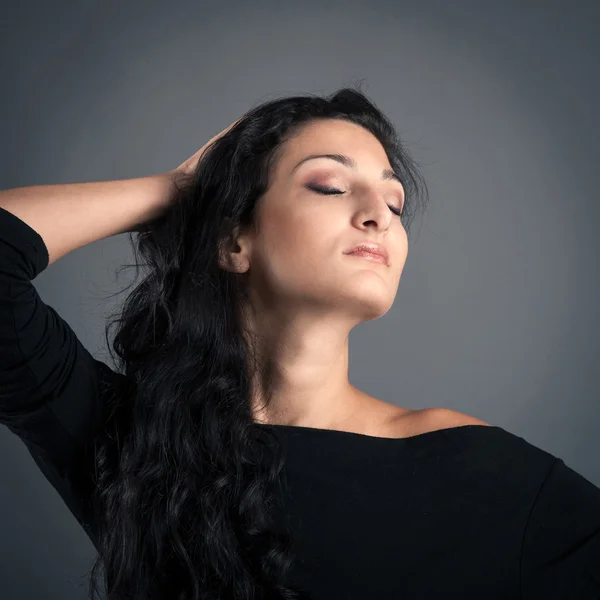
334	432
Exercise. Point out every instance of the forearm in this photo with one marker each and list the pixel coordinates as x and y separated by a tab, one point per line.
69	216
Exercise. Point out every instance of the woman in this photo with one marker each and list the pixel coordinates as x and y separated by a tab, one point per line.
228	456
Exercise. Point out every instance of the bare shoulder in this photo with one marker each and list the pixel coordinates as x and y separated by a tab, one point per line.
442	418
395	421
412	422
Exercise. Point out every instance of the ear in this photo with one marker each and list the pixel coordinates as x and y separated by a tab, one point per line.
234	253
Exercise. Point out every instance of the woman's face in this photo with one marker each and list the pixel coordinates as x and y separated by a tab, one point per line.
296	263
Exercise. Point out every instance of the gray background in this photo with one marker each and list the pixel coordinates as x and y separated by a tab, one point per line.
497	311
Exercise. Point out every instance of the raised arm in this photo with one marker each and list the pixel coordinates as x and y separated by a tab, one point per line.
52	390
69	216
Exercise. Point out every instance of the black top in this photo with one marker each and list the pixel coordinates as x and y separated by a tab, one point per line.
465	512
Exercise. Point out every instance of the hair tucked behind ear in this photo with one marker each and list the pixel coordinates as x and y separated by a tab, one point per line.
185	480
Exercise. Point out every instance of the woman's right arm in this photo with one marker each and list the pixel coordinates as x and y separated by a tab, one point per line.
52	390
69	216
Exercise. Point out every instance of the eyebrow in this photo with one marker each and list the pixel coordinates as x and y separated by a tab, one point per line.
347	161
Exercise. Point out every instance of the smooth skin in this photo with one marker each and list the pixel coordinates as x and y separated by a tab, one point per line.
306	294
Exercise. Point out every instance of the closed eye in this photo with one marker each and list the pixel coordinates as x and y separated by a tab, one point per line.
327	191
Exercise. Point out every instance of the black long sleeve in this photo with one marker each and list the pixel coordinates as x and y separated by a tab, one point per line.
50	385
561	546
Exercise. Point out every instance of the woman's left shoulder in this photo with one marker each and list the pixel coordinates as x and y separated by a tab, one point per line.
443	418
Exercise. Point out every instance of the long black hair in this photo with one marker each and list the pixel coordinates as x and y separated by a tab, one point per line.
184	487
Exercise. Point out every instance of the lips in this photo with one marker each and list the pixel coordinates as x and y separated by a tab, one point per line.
371	248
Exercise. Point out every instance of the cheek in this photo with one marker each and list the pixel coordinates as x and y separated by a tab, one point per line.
278	246
294	252
288	237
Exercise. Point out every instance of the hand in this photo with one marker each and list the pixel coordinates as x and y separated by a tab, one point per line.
189	165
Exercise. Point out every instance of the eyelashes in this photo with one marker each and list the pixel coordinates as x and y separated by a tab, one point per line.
327	191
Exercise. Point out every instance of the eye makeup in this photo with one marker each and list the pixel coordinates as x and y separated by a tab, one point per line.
328	191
